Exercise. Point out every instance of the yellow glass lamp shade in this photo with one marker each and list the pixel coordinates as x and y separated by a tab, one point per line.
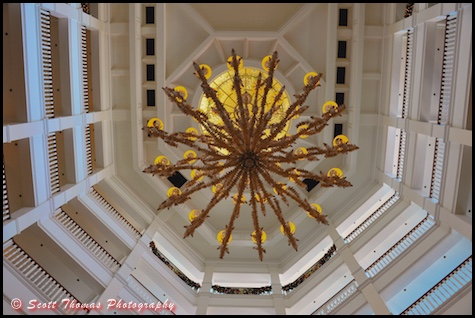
297	173
263	237
258	198
155	122
230	59
340	139
196	174
266	133
284	187
182	91
206	70
193	214
316	207
300	128
265	62
292	228
235	198
190	154
161	159
335	172
192	130
173	191
217	187
301	151
308	76
220	237
328	105
296	116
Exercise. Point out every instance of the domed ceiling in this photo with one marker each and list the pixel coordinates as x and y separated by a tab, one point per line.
305	38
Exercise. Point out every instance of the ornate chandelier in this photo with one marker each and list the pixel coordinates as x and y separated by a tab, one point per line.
242	149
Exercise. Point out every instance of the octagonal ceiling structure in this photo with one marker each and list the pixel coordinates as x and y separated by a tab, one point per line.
206	33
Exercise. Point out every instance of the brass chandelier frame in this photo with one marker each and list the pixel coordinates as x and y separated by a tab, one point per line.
253	155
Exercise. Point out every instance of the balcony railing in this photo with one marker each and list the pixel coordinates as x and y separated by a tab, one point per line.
216	289
32	272
287	289
47	62
442	291
194	286
87	132
437	168
53	163
407	73
85	63
373	217
109	208
447	69
401	246
82	236
6	205
401	154
339	298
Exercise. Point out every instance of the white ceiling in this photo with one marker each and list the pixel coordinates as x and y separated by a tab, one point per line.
206	33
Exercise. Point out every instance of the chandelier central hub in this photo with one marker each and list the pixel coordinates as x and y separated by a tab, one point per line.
249	160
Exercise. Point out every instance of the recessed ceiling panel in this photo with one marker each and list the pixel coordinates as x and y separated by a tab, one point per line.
308	36
184	34
247	16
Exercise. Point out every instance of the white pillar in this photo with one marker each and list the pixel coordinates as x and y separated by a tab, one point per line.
204	294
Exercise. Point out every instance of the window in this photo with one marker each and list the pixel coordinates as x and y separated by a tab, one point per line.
338	130
343	19
177	179
150	72
311	183
342	49
340	98
150	97
340	75
149	15
150	46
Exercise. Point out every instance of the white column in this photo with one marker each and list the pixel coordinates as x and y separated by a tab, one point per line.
32	60
79	146
39	168
204	294
277	295
75	67
462	77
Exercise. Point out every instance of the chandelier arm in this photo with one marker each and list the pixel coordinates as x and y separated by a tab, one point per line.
302	202
274	203
255	109
325	181
243	118
234	176
211	93
291	192
266	195
332	151
179	101
219	139
277	128
273	61
255	220
234	215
